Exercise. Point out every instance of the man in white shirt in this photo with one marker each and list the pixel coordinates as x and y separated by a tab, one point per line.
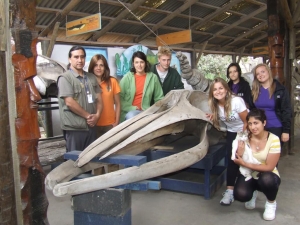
168	76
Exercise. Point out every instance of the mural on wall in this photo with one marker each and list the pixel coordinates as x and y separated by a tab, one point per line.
123	61
90	52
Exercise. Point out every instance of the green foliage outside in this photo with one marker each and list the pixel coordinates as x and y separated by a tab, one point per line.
212	65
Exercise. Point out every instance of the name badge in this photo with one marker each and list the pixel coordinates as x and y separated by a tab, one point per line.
90	98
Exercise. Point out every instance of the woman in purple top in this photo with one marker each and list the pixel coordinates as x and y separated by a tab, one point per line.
239	85
273	98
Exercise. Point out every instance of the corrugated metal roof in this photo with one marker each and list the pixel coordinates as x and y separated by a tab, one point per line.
209	20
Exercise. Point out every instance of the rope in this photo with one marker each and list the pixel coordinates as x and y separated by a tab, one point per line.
164	43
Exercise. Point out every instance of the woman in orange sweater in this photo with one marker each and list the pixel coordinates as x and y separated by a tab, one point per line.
110	115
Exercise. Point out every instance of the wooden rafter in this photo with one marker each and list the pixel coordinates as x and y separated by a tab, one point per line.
256	40
186	5
115	21
59	17
296	15
201	52
240	21
250	32
216	13
287	14
243	19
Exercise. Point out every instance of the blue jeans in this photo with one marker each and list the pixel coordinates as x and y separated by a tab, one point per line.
132	113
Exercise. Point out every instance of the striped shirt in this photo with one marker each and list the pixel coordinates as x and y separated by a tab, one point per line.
272	146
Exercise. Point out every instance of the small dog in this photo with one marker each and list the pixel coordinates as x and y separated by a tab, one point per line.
247	156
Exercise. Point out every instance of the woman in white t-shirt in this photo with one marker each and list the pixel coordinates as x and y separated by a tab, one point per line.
232	110
265	148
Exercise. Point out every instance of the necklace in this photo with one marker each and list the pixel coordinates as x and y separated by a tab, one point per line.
260	142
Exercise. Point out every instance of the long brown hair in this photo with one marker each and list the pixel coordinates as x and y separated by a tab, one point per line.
213	103
258	114
256	84
106	75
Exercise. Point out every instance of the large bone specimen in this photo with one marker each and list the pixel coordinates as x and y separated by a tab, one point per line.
181	111
193	76
48	70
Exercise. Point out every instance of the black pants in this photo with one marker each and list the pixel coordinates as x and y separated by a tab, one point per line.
232	168
79	140
277	131
267	182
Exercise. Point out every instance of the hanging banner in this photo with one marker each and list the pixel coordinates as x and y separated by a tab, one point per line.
83	25
263	50
174	38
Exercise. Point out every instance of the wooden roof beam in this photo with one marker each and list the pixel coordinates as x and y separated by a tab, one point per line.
59	11
255	40
59	17
186	5
201	52
240	54
287	13
216	13
102	44
229	10
261	9
115	21
296	15
252	31
243	19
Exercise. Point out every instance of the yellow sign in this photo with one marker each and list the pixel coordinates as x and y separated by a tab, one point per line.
174	38
263	50
83	25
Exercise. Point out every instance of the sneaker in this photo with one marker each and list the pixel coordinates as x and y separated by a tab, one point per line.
227	198
251	203
270	209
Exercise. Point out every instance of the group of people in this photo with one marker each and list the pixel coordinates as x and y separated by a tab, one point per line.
93	102
265	113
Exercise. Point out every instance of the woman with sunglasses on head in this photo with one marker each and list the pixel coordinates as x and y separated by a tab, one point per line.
139	87
110	115
231	110
266	149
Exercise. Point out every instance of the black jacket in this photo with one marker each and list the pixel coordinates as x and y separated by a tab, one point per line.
244	92
283	108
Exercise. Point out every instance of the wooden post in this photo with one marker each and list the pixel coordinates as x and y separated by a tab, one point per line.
34	201
275	40
8	215
47	115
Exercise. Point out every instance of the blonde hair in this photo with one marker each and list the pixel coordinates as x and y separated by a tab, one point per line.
213	103
256	84
164	50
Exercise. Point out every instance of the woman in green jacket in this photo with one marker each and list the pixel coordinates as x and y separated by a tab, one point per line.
138	87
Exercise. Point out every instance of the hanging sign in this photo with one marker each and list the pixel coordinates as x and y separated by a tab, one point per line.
174	38
263	50
83	25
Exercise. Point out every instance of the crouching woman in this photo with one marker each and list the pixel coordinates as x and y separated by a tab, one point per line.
265	147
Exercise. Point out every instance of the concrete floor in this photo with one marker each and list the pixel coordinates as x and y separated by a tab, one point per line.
171	208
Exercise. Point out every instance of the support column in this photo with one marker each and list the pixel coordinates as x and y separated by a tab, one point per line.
7	189
31	180
47	115
275	40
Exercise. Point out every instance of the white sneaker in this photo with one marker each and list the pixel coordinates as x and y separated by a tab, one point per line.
227	198
270	209
251	203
